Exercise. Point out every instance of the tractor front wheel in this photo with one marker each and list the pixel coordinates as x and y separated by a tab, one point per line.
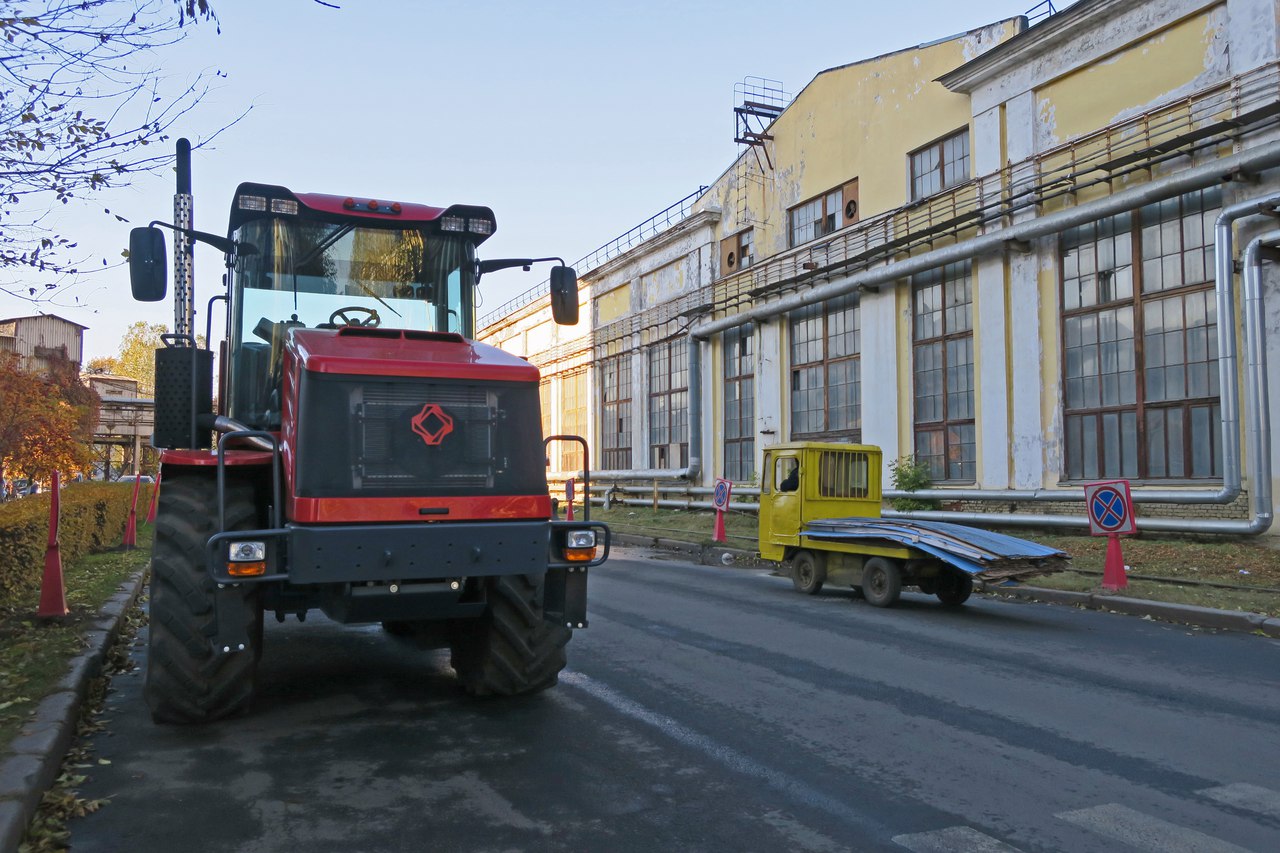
188	681
511	649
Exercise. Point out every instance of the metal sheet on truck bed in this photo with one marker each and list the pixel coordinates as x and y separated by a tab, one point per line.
979	552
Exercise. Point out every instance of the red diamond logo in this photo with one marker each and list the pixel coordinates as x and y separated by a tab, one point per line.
432	424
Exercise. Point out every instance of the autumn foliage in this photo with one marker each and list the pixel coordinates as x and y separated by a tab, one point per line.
46	420
92	519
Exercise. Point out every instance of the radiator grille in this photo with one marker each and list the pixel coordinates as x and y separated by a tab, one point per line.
382	413
357	437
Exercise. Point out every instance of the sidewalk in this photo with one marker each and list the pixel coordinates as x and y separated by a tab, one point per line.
32	762
1183	614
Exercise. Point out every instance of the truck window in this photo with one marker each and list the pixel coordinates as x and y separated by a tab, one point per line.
843	474
786	474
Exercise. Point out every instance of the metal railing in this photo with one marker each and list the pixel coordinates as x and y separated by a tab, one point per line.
1204	119
651	227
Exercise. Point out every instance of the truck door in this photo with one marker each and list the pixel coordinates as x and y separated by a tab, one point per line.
780	507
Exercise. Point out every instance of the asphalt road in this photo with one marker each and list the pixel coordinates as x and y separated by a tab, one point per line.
715	709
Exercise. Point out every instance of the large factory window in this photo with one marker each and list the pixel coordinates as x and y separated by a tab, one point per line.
1140	343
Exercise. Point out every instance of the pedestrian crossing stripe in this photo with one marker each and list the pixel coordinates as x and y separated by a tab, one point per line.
1120	823
1251	798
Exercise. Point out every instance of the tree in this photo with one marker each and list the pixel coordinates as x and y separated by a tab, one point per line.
46	422
137	356
103	364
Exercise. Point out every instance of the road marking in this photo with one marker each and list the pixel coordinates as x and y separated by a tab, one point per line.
953	839
1144	832
727	756
1252	798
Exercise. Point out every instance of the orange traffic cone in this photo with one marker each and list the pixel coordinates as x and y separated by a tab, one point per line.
155	493
1113	576
131	524
53	593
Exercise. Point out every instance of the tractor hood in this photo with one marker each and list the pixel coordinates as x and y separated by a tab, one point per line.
403	352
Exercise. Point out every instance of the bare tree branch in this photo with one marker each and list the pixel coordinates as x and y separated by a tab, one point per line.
83	108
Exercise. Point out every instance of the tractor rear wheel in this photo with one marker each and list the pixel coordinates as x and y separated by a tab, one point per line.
511	649
187	680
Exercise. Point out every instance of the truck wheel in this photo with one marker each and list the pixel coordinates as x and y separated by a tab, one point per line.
881	582
808	573
511	649
187	681
953	588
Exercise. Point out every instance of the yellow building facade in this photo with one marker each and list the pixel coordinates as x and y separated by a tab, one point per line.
1010	254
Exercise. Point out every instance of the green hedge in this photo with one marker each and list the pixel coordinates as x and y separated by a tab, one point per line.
93	516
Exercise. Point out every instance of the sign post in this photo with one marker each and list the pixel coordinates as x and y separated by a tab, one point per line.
568	499
720	500
1110	508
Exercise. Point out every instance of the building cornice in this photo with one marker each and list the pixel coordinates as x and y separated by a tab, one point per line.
1017	51
692	222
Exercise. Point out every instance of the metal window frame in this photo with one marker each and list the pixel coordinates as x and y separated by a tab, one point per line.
1142	406
615	443
670	350
939	145
826	361
744	371
946	422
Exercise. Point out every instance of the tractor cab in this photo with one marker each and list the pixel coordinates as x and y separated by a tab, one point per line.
313	261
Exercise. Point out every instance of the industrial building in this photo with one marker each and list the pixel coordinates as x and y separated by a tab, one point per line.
1033	255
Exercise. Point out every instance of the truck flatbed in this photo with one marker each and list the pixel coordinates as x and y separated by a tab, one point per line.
983	554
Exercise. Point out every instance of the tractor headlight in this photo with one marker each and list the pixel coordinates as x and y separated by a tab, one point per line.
246	559
580	546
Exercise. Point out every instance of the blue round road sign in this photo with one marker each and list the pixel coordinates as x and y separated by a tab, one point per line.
720	498
1109	509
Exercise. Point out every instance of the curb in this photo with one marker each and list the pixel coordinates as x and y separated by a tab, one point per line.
39	748
1185	614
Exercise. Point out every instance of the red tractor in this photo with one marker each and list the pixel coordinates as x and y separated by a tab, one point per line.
367	458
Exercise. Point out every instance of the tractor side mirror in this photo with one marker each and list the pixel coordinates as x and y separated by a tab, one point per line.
564	296
148	264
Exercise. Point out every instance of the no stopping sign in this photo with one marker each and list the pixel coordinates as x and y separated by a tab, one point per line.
720	498
1110	508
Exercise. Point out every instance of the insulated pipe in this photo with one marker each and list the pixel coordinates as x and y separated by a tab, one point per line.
1195	178
1169	187
1229	394
1191	179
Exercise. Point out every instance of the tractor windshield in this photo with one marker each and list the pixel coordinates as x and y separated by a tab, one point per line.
302	273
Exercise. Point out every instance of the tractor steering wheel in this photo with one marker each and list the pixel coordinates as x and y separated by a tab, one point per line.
350	316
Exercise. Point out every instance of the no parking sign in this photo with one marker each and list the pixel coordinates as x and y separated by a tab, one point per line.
720	498
1110	508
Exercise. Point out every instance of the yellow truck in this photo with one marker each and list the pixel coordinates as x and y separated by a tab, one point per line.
820	516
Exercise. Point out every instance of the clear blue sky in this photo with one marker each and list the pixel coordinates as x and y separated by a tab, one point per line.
574	121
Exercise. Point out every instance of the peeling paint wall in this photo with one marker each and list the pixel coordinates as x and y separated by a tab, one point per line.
1179	58
613	305
858	121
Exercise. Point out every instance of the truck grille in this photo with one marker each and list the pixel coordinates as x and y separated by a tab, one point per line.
379	436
